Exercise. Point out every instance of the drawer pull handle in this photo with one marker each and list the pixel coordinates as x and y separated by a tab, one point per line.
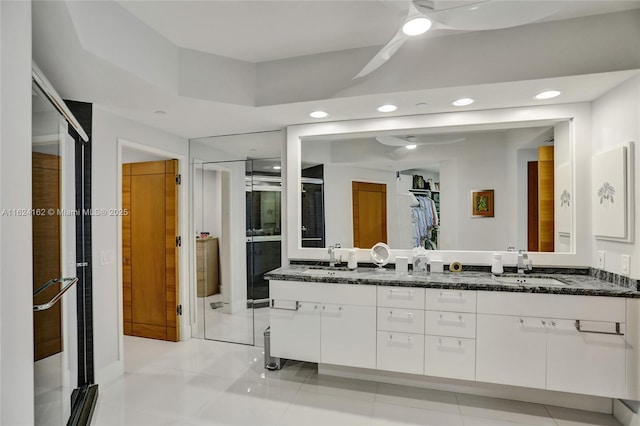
297	306
615	333
407	315
409	339
450	346
451	295
459	320
408	293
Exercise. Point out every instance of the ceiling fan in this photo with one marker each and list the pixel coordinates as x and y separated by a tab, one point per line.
470	16
410	143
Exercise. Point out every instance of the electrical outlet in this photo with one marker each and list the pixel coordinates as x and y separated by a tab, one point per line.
624	264
600	259
107	257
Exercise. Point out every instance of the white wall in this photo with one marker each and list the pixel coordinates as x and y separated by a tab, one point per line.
130	155
16	315
472	166
107	129
207	201
615	121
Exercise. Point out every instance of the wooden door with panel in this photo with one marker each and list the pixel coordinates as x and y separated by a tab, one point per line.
150	250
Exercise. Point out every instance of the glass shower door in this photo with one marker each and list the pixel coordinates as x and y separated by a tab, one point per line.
53	214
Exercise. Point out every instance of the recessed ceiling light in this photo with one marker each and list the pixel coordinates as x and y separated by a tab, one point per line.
548	94
160	112
463	102
277	167
416	26
387	108
412	146
318	114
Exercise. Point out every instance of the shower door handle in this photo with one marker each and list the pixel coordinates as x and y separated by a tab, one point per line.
43	307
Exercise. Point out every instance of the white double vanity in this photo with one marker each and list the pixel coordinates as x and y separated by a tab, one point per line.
567	339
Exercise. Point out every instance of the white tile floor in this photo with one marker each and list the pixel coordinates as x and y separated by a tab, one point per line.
203	382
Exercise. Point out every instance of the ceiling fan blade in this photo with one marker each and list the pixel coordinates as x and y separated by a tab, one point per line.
491	14
392	141
437	140
398	153
392	46
384	54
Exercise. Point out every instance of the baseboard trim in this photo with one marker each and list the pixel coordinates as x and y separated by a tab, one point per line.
538	396
624	414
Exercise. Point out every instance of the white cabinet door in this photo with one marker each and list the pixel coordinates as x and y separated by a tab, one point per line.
348	335
402	352
584	362
295	330
511	350
450	357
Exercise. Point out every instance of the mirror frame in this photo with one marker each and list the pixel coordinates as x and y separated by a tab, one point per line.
578	114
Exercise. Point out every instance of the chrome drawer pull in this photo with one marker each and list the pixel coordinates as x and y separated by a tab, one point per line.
408	293
408	315
273	306
450	346
409	339
615	333
459	320
451	295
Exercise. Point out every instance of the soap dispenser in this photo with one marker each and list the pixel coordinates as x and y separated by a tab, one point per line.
353	259
496	264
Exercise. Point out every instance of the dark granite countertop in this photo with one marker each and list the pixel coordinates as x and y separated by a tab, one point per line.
568	283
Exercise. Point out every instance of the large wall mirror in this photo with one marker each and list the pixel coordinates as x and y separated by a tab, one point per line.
414	188
471	182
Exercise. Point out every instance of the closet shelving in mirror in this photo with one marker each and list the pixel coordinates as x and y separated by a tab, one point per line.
431	242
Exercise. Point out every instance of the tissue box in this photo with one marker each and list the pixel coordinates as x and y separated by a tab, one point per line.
437	266
402	265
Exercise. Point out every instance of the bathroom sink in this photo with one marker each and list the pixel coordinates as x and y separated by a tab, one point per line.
541	281
327	272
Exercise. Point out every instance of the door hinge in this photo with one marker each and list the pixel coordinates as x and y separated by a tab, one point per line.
178	179
179	309
178	241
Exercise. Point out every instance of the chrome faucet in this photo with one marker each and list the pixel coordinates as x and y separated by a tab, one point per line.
332	255
524	263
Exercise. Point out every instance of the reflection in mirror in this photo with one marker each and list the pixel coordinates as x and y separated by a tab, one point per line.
237	206
414	187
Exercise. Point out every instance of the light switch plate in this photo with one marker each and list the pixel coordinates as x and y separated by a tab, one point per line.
625	264
600	259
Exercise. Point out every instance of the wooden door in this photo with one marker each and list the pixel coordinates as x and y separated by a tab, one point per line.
545	199
47	325
369	213
149	249
532	206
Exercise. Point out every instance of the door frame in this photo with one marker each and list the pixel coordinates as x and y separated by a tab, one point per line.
183	275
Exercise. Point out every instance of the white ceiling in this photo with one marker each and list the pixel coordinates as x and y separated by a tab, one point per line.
80	74
258	31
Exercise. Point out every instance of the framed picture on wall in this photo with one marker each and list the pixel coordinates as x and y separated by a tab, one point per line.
612	193
482	203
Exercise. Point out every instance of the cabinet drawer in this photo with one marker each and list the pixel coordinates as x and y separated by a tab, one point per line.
450	357
566	306
347	294
401	297
451	300
401	320
400	352
454	324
